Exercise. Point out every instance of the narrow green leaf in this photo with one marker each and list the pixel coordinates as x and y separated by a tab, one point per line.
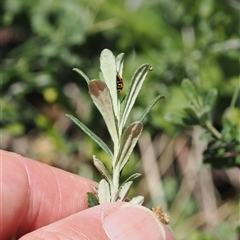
147	110
190	92
104	192
210	101
124	191
101	168
128	142
108	68
92	199
101	97
135	86
91	134
80	72
119	63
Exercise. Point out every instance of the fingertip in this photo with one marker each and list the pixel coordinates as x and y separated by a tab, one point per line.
109	221
131	221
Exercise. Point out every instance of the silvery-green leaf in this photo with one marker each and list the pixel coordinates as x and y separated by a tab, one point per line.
135	86
80	72
119	63
128	142
104	192
137	200
101	168
103	101
108	68
91	134
147	110
124	191
92	200
133	176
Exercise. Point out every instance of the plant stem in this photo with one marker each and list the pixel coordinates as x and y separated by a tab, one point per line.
115	185
213	130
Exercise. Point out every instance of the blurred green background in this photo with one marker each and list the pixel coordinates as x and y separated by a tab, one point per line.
42	40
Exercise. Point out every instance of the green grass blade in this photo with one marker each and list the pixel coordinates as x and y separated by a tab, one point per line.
101	168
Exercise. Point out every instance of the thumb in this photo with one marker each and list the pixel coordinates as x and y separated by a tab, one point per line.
109	221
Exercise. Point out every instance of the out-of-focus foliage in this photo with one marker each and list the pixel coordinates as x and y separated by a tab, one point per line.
223	150
42	40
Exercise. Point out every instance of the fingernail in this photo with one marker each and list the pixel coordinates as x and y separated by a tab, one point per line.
131	221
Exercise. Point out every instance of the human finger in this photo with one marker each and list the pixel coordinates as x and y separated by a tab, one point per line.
117	221
34	194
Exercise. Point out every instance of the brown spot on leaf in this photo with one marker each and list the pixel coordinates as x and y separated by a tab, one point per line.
96	86
134	129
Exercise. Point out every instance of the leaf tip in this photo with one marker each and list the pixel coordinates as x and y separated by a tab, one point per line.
92	199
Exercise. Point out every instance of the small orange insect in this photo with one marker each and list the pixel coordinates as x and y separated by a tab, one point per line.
120	84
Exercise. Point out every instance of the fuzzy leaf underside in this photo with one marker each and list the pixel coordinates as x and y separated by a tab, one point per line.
101	168
108	68
91	134
104	192
124	191
128	142
137	200
119	63
134	88
101	97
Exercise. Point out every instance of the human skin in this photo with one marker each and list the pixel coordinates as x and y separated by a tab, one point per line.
38	201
